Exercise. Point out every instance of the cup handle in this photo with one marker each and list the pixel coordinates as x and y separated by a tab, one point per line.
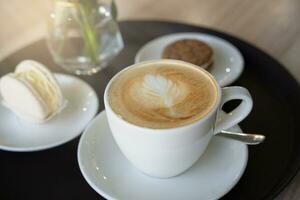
239	113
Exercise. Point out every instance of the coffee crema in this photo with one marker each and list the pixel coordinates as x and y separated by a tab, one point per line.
162	95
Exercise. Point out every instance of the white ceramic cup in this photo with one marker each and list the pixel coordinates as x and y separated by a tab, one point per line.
168	152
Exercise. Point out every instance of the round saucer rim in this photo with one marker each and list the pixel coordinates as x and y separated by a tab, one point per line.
80	162
137	57
242	171
56	144
109	197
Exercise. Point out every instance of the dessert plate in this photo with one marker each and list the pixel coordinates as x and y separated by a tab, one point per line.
110	174
82	105
228	62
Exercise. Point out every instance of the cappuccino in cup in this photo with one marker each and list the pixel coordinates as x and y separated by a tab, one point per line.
160	95
163	113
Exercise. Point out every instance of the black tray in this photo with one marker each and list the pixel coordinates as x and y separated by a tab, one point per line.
54	173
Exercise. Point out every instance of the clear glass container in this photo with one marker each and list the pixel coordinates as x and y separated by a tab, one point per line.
83	36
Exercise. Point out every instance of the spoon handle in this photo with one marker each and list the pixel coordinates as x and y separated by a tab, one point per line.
250	139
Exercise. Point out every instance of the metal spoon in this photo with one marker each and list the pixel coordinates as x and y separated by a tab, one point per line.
250	139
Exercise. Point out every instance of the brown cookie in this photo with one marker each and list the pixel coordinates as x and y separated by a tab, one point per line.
190	50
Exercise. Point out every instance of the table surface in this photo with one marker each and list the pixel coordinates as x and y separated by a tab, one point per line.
34	52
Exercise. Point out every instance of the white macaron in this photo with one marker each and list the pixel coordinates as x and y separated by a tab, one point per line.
32	92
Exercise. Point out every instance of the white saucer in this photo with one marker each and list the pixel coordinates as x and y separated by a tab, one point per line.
109	173
82	105
228	61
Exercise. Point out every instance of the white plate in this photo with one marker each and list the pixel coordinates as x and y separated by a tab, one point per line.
109	173
228	61
18	135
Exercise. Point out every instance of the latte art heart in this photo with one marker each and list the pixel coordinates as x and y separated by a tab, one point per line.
162	96
158	85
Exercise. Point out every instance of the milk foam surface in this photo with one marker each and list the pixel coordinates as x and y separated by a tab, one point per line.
162	95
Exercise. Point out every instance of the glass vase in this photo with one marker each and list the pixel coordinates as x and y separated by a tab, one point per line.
83	36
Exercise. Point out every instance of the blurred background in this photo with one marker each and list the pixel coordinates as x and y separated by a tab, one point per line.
272	25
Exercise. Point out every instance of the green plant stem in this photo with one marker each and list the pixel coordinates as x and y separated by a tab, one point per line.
88	34
114	10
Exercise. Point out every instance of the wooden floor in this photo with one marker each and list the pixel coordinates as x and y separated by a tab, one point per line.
273	25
